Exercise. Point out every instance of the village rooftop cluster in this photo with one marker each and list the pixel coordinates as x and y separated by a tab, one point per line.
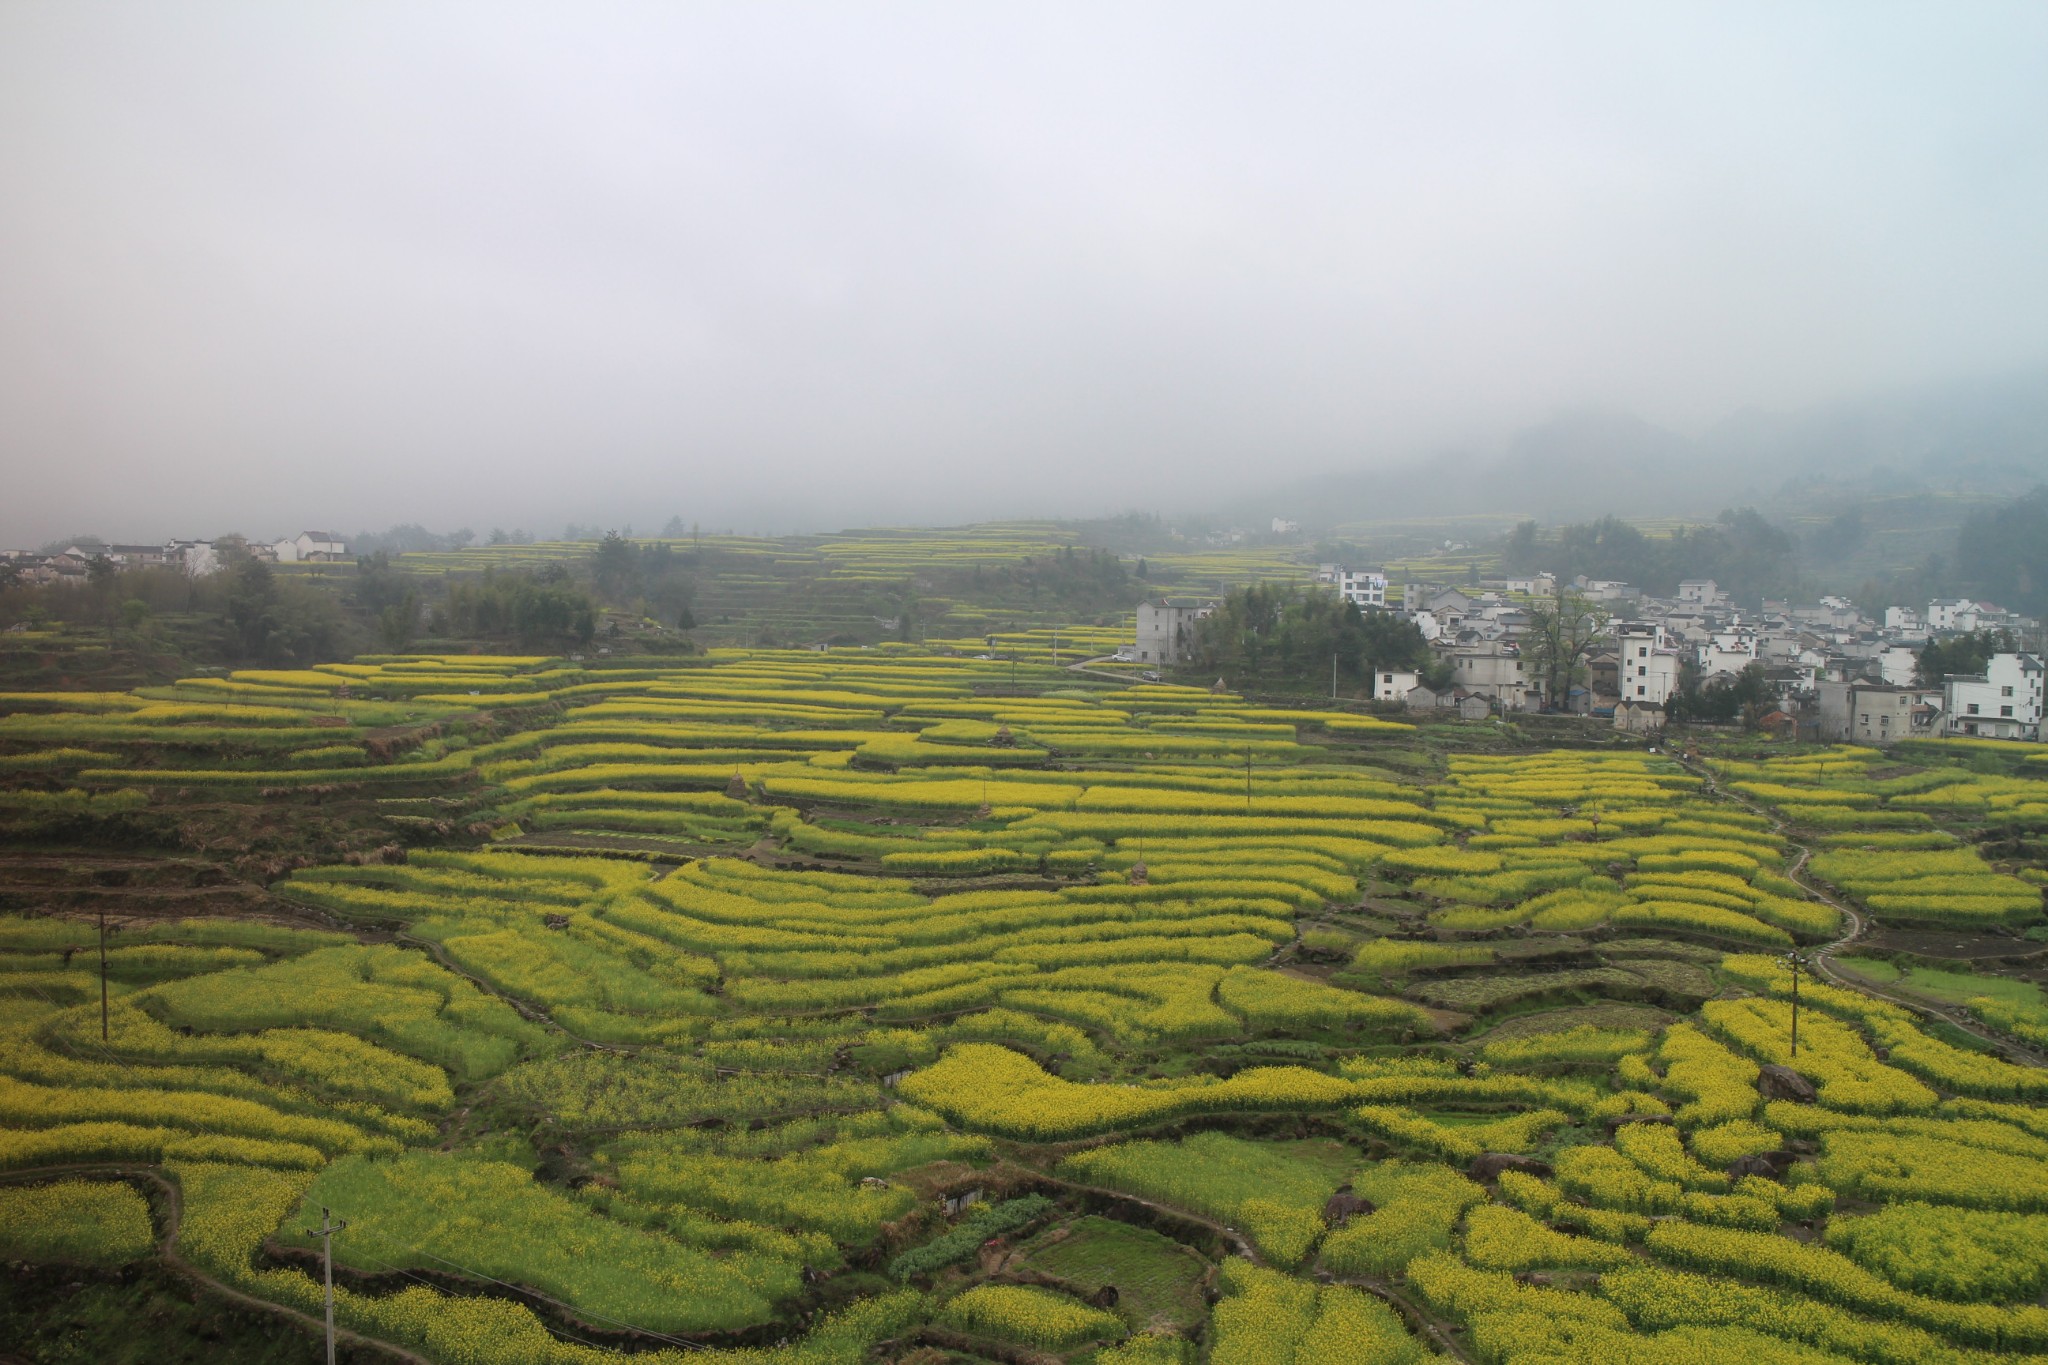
196	557
1835	672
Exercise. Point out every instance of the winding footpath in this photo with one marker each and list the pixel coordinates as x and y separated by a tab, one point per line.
1859	925
167	1252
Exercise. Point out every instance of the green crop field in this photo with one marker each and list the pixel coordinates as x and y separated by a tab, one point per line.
897	1004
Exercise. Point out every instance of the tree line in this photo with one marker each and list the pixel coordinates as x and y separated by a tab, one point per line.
1741	551
1281	636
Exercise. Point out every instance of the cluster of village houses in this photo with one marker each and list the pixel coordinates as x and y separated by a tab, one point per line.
195	557
1834	673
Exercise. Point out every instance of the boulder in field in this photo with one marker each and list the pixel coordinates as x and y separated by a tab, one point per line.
1783	1083
1488	1166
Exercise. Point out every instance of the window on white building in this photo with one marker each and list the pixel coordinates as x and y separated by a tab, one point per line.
2005	710
1973	708
1642	691
2005	691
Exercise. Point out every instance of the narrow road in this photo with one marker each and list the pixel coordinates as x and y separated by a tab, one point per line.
1859	925
1083	667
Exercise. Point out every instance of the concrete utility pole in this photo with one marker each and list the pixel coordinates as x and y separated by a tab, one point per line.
1795	962
1333	677
1247	780
325	1232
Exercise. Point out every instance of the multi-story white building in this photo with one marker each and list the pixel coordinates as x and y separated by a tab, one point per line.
1649	665
1699	591
1881	715
1166	629
1361	588
1727	651
2005	703
1897	664
1952	613
1540	585
311	547
1904	620
1498	673
1394	684
1604	589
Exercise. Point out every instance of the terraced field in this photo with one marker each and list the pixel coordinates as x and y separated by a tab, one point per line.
895	1005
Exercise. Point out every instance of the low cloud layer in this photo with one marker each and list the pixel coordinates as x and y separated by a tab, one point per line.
781	265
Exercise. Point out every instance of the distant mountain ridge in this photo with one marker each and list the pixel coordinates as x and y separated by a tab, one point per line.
1985	437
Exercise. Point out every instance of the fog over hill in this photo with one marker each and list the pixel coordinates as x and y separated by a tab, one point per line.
272	268
1986	437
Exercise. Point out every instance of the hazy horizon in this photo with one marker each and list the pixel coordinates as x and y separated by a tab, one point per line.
787	266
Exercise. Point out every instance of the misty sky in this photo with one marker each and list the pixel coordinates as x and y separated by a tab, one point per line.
270	266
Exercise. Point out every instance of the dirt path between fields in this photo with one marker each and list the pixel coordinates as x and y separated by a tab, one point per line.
1417	1316
167	1251
1859	925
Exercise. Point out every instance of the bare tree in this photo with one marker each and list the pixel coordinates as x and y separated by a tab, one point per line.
1562	631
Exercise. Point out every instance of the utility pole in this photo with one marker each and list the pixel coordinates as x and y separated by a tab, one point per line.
1795	962
1333	675
1247	780
325	1232
103	976
1055	646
